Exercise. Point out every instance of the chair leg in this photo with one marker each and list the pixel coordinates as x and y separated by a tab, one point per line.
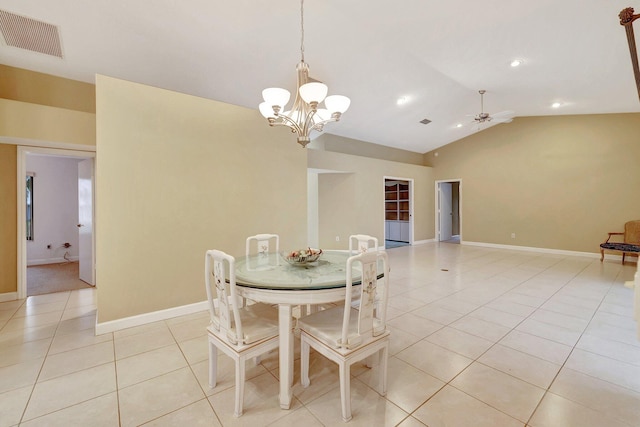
623	254
239	386
383	360
345	390
304	363
213	364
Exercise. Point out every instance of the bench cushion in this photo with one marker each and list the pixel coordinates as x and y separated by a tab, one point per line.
622	247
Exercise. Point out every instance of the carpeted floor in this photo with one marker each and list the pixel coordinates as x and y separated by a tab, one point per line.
50	278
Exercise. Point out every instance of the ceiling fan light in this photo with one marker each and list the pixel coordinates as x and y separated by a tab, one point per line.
313	92
337	103
276	96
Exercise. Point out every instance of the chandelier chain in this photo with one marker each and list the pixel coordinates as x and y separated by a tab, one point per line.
302	30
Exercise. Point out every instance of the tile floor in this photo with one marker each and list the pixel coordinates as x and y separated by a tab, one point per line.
480	337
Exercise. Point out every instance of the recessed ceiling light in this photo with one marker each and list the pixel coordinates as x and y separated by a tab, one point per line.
555	105
402	100
516	62
459	125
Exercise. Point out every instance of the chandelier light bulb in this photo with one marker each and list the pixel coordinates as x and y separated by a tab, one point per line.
337	103
266	110
276	96
313	92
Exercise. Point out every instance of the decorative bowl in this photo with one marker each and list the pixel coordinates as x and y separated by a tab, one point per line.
302	256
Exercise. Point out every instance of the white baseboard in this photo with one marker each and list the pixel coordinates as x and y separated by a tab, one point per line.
143	319
8	296
541	250
43	261
422	242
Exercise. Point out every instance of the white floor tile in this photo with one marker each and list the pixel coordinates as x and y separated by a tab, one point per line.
557	411
504	392
435	360
518	315
62	392
521	365
98	412
158	396
618	402
452	407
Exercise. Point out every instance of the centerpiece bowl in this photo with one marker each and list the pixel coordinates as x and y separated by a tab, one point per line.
302	256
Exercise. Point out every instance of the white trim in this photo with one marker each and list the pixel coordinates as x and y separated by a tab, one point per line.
422	242
154	316
411	182
8	296
22	214
533	249
437	206
46	144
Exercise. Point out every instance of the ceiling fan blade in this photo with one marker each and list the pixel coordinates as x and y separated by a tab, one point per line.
502	120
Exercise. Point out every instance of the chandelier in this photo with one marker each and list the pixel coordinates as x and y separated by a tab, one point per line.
304	116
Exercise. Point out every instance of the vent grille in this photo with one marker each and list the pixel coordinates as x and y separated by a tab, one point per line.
30	34
425	121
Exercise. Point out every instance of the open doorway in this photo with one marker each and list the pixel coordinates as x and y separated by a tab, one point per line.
53	253
52	216
448	211
398	212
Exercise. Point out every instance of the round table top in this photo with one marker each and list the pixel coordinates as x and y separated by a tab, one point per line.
271	271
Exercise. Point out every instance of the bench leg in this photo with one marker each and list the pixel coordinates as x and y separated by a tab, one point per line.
601	255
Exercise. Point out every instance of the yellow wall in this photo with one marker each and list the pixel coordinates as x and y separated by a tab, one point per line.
177	175
557	182
353	202
355	147
37	88
8	219
42	109
44	123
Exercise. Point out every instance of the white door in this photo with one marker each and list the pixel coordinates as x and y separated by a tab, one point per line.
85	221
446	211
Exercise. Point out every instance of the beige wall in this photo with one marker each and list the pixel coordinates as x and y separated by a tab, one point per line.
37	88
353	202
44	123
41	109
8	219
177	175
340	144
557	182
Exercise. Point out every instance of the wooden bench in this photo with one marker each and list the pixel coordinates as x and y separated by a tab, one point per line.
630	244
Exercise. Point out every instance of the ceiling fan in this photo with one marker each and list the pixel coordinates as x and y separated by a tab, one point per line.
501	117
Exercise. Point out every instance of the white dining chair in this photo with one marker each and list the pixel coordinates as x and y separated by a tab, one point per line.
241	333
345	334
359	243
263	244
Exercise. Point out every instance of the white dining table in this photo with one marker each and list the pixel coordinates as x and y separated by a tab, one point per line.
270	279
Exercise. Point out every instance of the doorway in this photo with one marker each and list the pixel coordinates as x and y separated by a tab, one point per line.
448	211
398	212
54	257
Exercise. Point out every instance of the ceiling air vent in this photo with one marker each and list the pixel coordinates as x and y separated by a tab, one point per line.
30	34
425	121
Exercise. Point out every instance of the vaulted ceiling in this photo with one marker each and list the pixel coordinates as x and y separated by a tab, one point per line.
434	55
